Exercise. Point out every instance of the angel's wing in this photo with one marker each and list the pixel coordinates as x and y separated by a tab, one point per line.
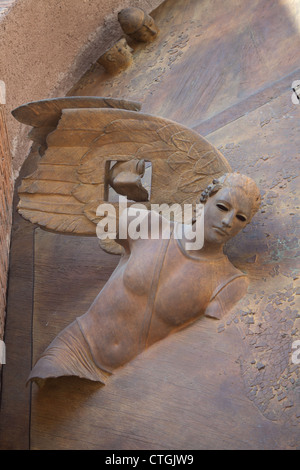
44	115
70	182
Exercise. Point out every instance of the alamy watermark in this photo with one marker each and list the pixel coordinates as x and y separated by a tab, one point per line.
138	222
296	92
2	352
296	352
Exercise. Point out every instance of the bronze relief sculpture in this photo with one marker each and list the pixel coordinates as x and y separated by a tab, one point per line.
160	285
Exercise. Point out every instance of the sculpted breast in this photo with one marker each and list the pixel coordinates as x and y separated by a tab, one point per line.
140	267
182	295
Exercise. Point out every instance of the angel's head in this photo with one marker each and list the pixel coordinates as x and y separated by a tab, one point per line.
230	203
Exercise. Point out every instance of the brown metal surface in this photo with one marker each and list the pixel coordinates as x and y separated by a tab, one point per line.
226	72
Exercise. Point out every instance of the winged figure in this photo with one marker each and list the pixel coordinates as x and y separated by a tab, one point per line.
91	144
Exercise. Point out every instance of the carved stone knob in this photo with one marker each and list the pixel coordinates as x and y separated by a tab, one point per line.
137	24
117	58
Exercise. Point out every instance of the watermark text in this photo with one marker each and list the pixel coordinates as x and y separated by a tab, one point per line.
138	222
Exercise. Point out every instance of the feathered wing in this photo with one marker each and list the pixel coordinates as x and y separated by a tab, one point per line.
44	115
63	194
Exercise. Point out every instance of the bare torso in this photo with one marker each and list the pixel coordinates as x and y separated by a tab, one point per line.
156	288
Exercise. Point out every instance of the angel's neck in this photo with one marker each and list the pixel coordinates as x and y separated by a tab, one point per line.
208	250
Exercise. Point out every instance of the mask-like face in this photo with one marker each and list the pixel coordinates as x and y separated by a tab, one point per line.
225	214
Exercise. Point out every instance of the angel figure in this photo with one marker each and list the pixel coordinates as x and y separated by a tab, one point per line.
160	285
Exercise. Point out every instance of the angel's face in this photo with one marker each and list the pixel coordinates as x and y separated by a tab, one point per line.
225	214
